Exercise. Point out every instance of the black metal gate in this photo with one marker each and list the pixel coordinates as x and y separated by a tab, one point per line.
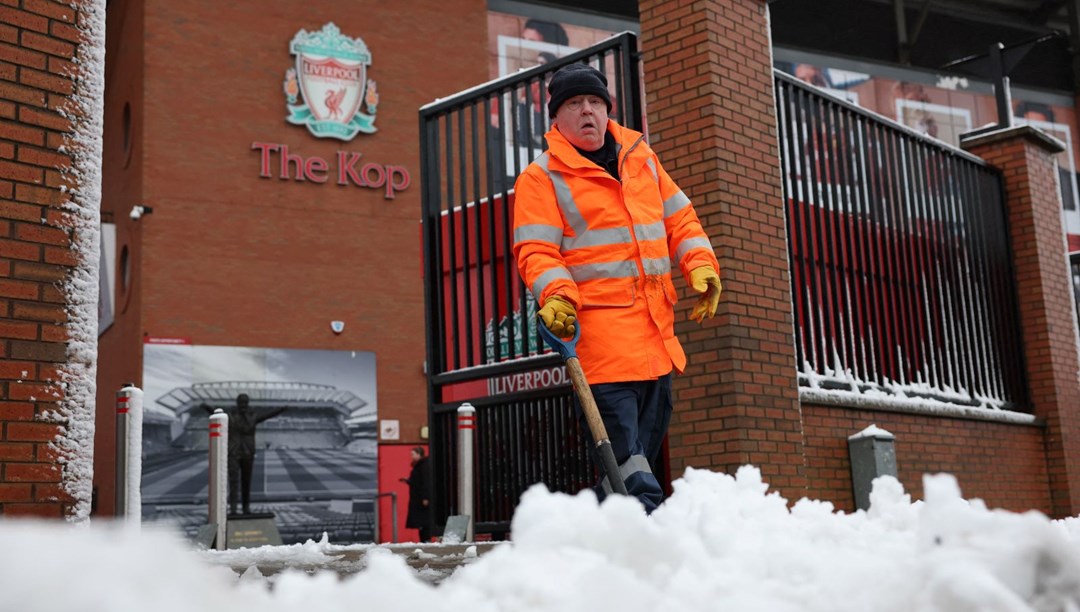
482	343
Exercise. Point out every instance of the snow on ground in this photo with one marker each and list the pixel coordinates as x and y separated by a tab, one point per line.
719	543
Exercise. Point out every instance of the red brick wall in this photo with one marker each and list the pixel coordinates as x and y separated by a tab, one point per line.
711	119
38	40
1048	326
122	168
1002	463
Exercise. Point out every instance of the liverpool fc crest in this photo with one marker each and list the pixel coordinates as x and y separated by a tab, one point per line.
331	78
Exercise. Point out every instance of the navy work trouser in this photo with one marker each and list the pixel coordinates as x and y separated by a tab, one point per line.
636	416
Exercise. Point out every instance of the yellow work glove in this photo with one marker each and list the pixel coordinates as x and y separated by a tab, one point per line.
705	281
559	316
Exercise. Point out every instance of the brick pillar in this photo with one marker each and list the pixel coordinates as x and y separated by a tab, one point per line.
47	275
712	120
1048	326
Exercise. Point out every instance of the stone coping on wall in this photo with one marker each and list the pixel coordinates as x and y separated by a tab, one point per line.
919	406
1032	134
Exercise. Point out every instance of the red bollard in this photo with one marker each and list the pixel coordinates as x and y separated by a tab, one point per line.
129	452
466	418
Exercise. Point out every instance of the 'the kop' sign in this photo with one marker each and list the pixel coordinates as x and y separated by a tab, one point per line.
276	160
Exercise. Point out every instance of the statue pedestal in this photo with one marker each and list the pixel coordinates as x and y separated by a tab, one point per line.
251	530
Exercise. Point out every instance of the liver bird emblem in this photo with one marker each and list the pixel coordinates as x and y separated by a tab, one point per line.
333	102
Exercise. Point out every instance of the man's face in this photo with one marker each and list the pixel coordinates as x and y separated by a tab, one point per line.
242	402
811	74
583	121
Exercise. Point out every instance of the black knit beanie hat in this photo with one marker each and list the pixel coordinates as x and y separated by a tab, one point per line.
576	80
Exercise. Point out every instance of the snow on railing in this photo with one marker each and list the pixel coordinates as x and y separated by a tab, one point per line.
841	387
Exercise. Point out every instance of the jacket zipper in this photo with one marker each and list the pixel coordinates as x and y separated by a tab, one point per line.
622	198
628	152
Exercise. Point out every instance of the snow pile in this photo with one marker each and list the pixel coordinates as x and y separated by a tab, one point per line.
719	543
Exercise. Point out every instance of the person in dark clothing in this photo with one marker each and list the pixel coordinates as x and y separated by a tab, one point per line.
242	423
419	481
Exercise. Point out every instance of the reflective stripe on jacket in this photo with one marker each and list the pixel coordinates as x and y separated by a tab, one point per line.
607	246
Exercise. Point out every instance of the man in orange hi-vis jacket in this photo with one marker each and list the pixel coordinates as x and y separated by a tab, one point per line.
598	227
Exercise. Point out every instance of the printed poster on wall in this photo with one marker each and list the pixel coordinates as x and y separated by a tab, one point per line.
944	108
315	459
517	43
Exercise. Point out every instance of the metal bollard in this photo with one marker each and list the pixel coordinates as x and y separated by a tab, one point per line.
219	474
129	452
466	425
872	452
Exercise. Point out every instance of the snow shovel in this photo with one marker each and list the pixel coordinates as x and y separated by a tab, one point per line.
588	403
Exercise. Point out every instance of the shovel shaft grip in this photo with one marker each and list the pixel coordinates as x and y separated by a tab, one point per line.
611	467
588	403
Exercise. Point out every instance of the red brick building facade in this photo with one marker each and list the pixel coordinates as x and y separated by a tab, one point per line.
231	256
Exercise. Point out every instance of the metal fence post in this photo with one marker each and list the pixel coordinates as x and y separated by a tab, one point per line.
219	475
393	514
129	452
466	425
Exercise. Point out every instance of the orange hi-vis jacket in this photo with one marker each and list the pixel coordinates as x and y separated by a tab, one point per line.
607	246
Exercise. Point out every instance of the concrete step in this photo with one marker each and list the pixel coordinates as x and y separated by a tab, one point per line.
433	562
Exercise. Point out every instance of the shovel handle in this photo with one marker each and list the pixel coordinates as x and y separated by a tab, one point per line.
566	348
588	402
596	425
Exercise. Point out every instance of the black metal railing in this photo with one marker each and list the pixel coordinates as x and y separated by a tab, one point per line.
1074	281
521	440
480	317
901	270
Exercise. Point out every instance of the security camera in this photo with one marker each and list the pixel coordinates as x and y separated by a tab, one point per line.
138	211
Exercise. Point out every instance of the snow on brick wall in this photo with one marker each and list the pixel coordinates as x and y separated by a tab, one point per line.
83	144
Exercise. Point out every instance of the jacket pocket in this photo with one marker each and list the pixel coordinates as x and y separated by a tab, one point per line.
606	295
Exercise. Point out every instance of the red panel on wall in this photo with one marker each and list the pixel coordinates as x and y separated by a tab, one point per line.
393	466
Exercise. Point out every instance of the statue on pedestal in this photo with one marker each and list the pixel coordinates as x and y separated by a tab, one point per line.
242	423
